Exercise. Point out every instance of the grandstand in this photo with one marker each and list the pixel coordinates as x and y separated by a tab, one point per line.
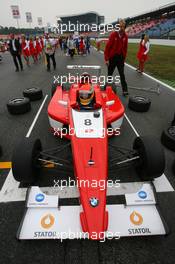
158	23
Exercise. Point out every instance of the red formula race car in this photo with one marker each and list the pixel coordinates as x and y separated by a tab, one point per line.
88	127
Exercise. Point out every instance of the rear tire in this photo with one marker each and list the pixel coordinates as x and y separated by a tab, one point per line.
152	158
168	138
19	106
24	160
33	93
139	103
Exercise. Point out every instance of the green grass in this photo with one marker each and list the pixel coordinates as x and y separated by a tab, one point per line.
161	63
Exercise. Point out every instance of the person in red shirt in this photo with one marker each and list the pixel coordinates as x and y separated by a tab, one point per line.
25	49
82	45
142	54
33	51
41	42
38	47
115	54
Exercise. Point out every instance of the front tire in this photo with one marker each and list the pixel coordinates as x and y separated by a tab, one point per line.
168	138
152	158
24	160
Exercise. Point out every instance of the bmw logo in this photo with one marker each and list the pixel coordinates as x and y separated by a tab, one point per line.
39	197
94	202
142	194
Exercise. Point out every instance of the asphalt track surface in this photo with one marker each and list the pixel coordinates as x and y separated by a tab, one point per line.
159	249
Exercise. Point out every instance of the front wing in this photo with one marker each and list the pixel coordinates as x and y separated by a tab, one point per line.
45	219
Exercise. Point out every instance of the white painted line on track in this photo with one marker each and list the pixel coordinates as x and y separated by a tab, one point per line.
10	187
152	78
162	184
133	128
36	117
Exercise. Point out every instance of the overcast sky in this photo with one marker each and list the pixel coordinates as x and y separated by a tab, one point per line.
49	9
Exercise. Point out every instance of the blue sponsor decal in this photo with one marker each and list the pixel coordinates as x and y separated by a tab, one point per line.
142	195
39	197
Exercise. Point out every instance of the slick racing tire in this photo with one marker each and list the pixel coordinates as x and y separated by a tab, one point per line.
19	106
139	103
33	93
168	138
152	158
24	160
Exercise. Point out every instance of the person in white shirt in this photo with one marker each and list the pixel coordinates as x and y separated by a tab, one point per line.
71	46
49	48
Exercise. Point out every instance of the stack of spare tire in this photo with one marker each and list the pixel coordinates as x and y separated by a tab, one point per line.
139	103
22	105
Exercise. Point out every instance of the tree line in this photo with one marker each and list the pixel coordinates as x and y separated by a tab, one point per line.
26	31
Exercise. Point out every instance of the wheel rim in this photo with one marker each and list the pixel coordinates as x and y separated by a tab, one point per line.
33	89
17	100
140	99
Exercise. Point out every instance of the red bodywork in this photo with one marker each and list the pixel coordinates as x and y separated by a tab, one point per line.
91	176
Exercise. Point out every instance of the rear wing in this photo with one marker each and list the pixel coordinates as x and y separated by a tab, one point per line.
75	67
85	67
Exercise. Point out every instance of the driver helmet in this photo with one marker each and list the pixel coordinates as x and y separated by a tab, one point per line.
86	94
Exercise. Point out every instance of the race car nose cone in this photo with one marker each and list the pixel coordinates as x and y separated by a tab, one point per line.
94	202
